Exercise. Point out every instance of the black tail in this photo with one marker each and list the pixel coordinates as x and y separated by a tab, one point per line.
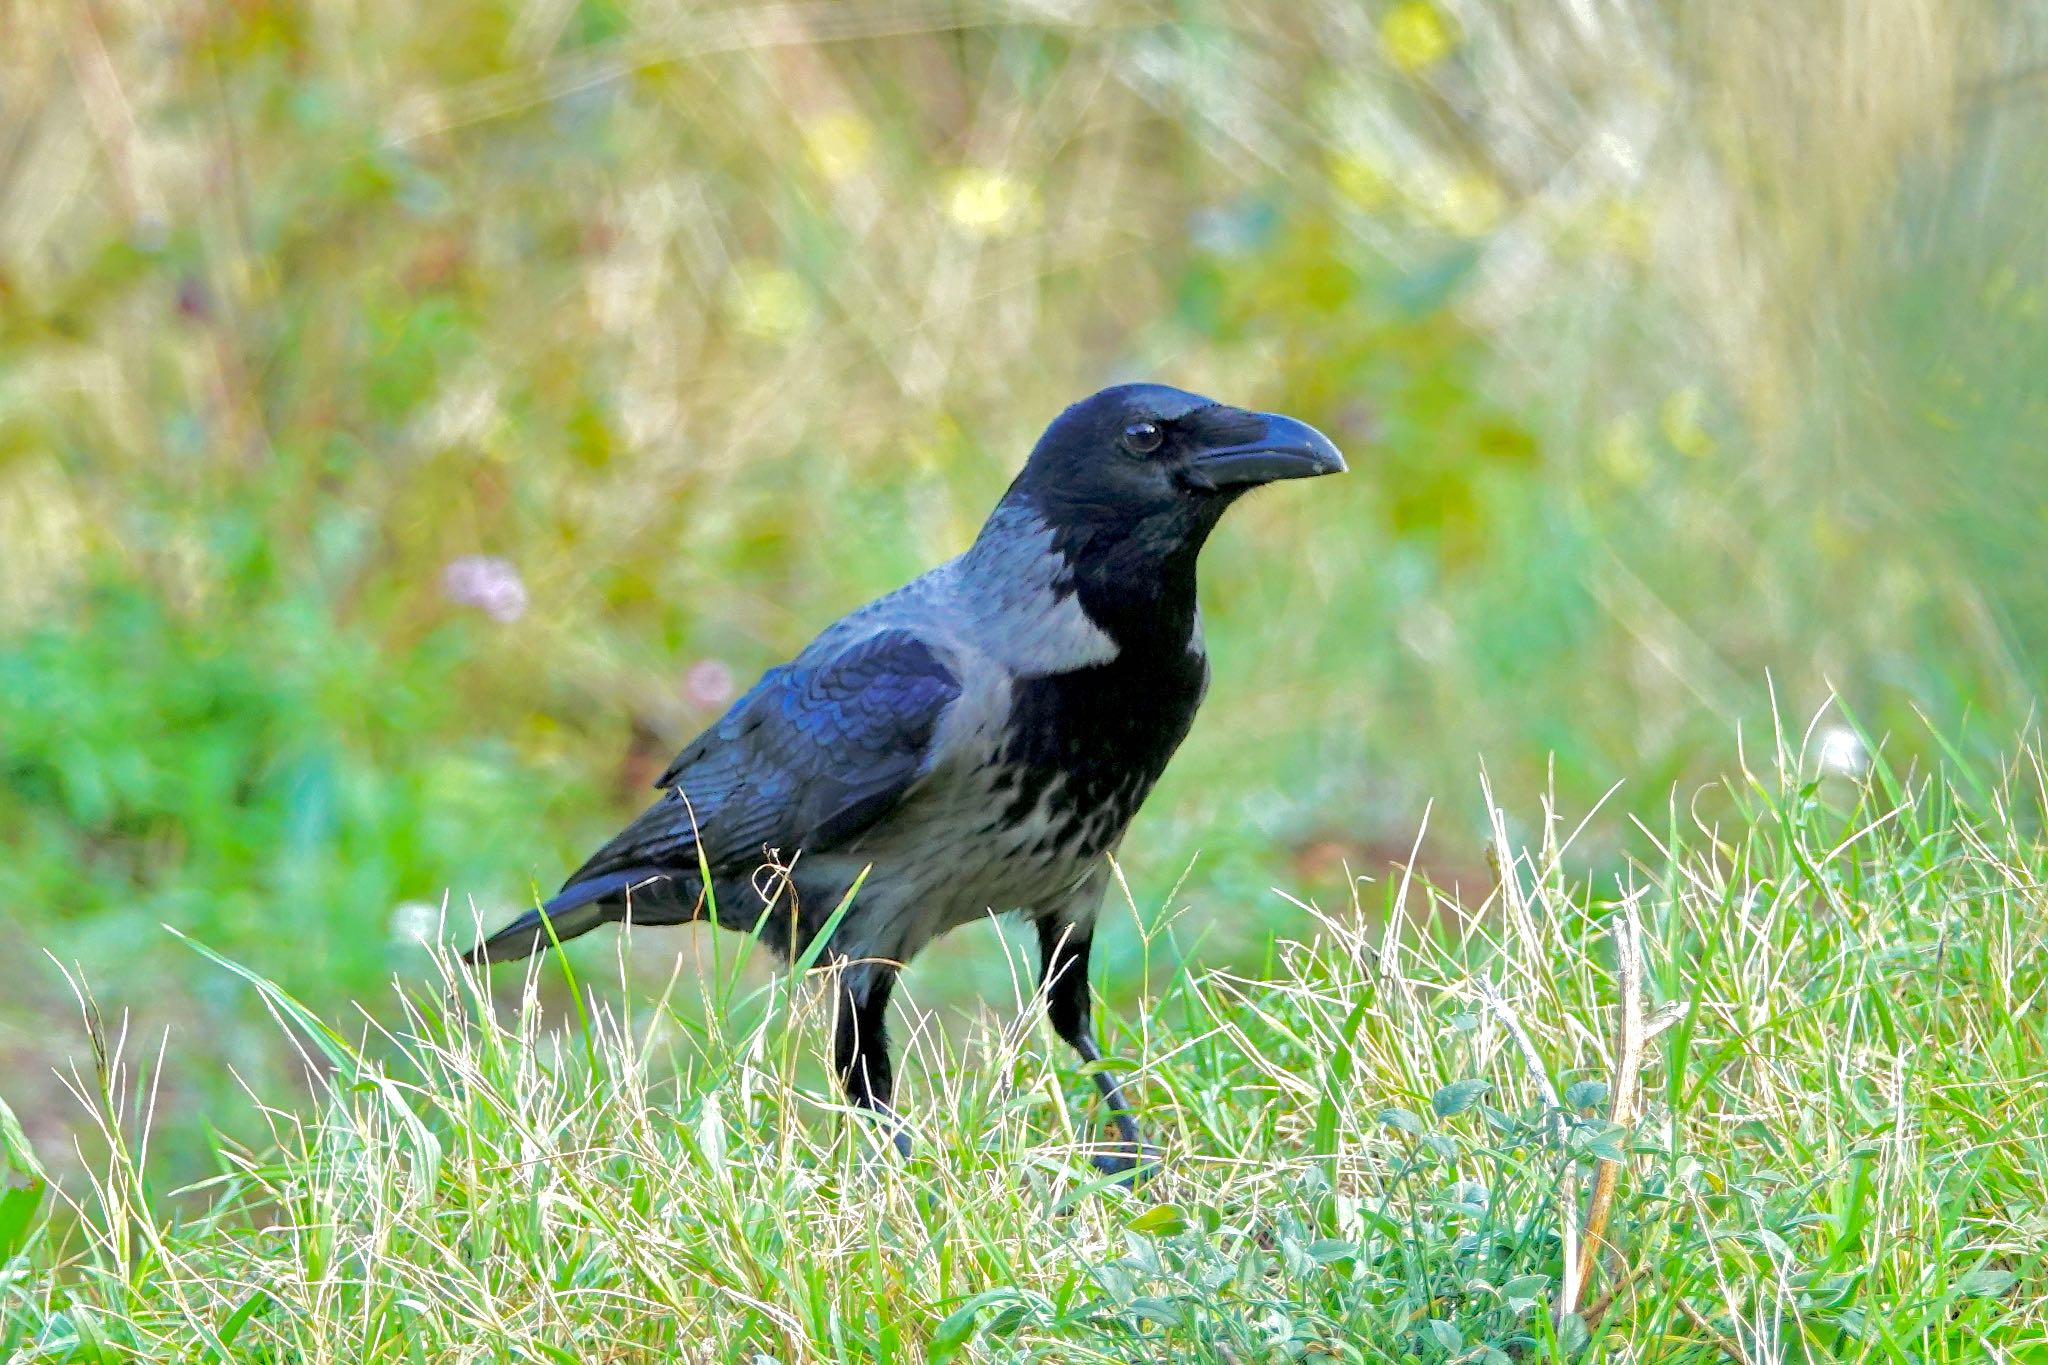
577	909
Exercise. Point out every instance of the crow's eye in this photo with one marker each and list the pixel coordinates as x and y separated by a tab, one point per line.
1143	438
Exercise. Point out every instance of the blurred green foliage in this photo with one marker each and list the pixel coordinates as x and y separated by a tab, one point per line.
1689	363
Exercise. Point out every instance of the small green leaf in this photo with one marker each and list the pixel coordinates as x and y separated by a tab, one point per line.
1605	1147
1391	1229
1323	1140
1988	1283
87	1344
1571	1332
237	1320
1457	1097
1165	1312
1585	1095
1345	1057
22	1182
958	1327
1163	1220
16	1155
1498	1121
18	1207
1447	1335
1006	1319
1407	1120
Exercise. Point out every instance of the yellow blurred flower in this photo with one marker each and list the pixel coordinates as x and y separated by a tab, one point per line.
769	301
1622	450
839	144
543	739
1470	203
1681	422
1360	181
932	452
1416	36
1623	227
987	203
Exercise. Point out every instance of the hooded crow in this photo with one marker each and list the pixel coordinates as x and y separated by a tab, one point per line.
976	741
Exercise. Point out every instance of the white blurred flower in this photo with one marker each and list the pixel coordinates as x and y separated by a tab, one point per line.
986	203
1841	751
464	413
487	582
415	922
707	684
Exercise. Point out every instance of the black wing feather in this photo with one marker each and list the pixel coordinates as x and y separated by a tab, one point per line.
813	755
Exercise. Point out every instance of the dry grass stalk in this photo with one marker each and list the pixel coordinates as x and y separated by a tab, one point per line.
1628	1067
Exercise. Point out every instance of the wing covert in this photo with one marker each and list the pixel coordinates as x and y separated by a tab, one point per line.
813	755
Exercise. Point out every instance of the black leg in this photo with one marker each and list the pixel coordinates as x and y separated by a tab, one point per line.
860	1041
1063	959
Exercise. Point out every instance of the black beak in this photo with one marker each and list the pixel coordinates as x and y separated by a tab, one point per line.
1282	449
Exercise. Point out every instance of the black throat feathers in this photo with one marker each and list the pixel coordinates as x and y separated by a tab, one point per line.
1106	731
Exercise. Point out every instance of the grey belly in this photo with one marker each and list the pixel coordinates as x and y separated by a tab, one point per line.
950	857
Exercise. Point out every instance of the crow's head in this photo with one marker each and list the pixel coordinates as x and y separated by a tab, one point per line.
1130	482
1161	464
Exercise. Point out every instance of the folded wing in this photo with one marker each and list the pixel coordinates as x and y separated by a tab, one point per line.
816	753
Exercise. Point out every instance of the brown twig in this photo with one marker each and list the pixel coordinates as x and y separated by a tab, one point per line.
1730	1346
1628	1067
1623	1283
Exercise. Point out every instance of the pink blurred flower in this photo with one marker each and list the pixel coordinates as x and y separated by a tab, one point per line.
707	684
488	583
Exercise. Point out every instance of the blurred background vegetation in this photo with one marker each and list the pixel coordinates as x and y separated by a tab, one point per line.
415	420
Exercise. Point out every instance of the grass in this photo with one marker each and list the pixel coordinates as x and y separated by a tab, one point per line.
1678	356
1379	1147
1688	359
